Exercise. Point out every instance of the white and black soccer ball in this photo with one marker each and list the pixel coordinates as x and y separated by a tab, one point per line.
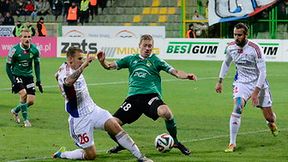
164	143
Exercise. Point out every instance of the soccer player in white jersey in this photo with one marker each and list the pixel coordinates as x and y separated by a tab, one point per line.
249	82
85	115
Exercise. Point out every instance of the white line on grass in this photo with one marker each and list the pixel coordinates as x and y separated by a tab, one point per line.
125	82
193	140
112	83
227	135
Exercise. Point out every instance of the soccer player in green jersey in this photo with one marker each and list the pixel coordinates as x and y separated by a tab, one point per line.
144	96
19	70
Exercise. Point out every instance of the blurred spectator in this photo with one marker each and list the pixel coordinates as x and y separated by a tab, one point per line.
5	7
282	10
8	19
57	7
102	4
13	7
17	29
206	10
66	5
190	32
1	19
44	8
84	11
41	28
29	7
1	7
72	16
93	7
200	27
29	26
37	6
20	7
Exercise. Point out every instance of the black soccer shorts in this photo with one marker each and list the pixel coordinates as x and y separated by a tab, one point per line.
24	83
134	106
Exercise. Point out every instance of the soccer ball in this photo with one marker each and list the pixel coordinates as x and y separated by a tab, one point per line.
164	143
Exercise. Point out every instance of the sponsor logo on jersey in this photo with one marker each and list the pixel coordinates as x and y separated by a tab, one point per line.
148	63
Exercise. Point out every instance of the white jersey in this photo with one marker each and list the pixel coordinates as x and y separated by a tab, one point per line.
249	61
78	102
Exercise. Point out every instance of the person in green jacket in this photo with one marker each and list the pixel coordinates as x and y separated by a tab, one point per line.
17	29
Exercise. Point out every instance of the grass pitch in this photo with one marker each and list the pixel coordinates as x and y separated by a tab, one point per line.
202	117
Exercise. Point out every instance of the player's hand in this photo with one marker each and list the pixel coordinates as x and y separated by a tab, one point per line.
39	85
254	98
218	87
191	77
89	59
101	56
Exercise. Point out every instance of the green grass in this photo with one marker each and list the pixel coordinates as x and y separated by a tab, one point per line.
202	117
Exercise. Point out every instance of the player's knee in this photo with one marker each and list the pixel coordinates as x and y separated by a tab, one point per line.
90	153
23	93
112	126
90	156
238	106
30	102
164	112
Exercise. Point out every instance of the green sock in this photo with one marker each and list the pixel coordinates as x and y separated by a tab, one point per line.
24	110
18	108
171	127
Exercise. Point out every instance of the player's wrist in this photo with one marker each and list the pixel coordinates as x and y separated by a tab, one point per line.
220	81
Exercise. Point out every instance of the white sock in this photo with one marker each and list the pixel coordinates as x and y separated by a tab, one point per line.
126	141
75	154
235	122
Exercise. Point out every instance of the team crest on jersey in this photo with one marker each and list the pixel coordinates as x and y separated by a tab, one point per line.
135	62
148	63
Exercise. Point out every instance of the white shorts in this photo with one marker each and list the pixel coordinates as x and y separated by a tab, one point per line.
81	129
245	91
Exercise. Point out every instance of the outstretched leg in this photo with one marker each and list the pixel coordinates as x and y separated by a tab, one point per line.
88	153
113	127
164	112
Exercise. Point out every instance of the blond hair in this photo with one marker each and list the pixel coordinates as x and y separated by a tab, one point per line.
146	37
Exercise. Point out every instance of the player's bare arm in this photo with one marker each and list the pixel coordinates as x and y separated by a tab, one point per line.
104	63
183	75
71	79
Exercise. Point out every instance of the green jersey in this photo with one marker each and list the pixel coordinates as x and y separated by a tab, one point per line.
144	74
21	59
